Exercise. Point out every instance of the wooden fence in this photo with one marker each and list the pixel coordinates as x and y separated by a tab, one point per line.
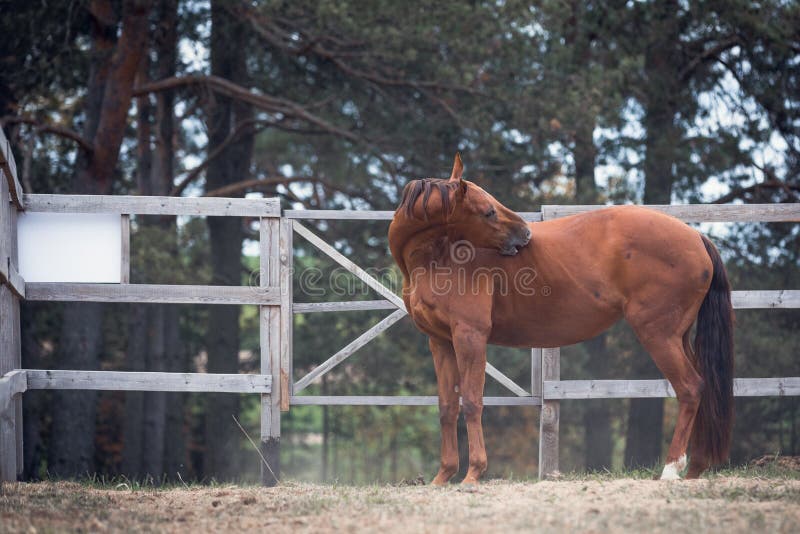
274	307
276	382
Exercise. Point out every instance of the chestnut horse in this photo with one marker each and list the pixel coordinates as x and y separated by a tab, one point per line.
476	273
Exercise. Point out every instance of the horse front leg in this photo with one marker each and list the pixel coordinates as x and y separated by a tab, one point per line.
470	347
447	379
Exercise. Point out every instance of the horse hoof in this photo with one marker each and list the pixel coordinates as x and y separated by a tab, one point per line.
672	469
669	473
443	477
469	486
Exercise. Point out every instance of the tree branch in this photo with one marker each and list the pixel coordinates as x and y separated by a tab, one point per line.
260	184
314	45
264	102
756	191
247	126
709	54
43	127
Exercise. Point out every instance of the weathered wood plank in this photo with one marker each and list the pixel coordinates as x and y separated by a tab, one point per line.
509	384
286	323
549	416
269	329
401	400
352	215
786	298
767	387
10	343
345	262
359	305
152	293
701	212
348	350
152	205
536	372
145	381
8	167
607	389
125	257
14	281
369	215
11	384
629	389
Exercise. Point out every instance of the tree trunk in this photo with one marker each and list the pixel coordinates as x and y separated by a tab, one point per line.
644	434
154	428
228	61
134	400
174	358
662	73
598	443
72	433
133	434
34	406
107	102
155	402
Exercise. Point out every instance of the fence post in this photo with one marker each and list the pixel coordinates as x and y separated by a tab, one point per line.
11	460
286	251
269	330
548	417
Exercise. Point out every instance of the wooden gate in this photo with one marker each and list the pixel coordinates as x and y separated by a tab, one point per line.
521	396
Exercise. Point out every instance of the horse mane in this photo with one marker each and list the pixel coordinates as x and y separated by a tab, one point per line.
424	187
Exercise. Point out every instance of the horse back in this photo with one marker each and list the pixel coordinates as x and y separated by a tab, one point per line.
591	267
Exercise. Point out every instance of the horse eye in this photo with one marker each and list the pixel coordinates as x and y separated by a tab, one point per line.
490	213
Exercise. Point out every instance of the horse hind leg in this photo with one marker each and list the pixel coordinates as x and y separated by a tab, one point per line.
669	355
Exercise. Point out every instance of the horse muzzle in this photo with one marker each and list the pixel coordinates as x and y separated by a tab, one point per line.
515	242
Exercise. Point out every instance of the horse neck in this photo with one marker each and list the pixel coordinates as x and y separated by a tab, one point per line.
415	243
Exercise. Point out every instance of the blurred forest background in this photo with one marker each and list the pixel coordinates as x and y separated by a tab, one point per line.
336	104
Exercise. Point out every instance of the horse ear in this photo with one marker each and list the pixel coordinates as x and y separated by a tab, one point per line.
458	169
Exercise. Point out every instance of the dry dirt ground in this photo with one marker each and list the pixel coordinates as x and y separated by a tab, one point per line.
718	504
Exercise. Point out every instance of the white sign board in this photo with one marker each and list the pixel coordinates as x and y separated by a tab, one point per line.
70	247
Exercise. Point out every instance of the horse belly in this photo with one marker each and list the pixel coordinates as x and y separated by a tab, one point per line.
554	323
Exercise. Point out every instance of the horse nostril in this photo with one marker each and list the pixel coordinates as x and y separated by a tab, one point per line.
528	233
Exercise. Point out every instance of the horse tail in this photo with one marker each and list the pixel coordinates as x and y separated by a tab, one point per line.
713	350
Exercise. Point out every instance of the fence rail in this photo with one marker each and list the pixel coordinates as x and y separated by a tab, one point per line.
132	205
370	215
698	213
401	400
152	293
641	389
146	381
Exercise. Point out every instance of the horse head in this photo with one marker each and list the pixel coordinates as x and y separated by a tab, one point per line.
465	211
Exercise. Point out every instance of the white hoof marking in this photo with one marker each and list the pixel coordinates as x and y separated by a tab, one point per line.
681	463
672	470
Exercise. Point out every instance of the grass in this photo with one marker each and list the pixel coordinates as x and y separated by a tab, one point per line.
770	470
